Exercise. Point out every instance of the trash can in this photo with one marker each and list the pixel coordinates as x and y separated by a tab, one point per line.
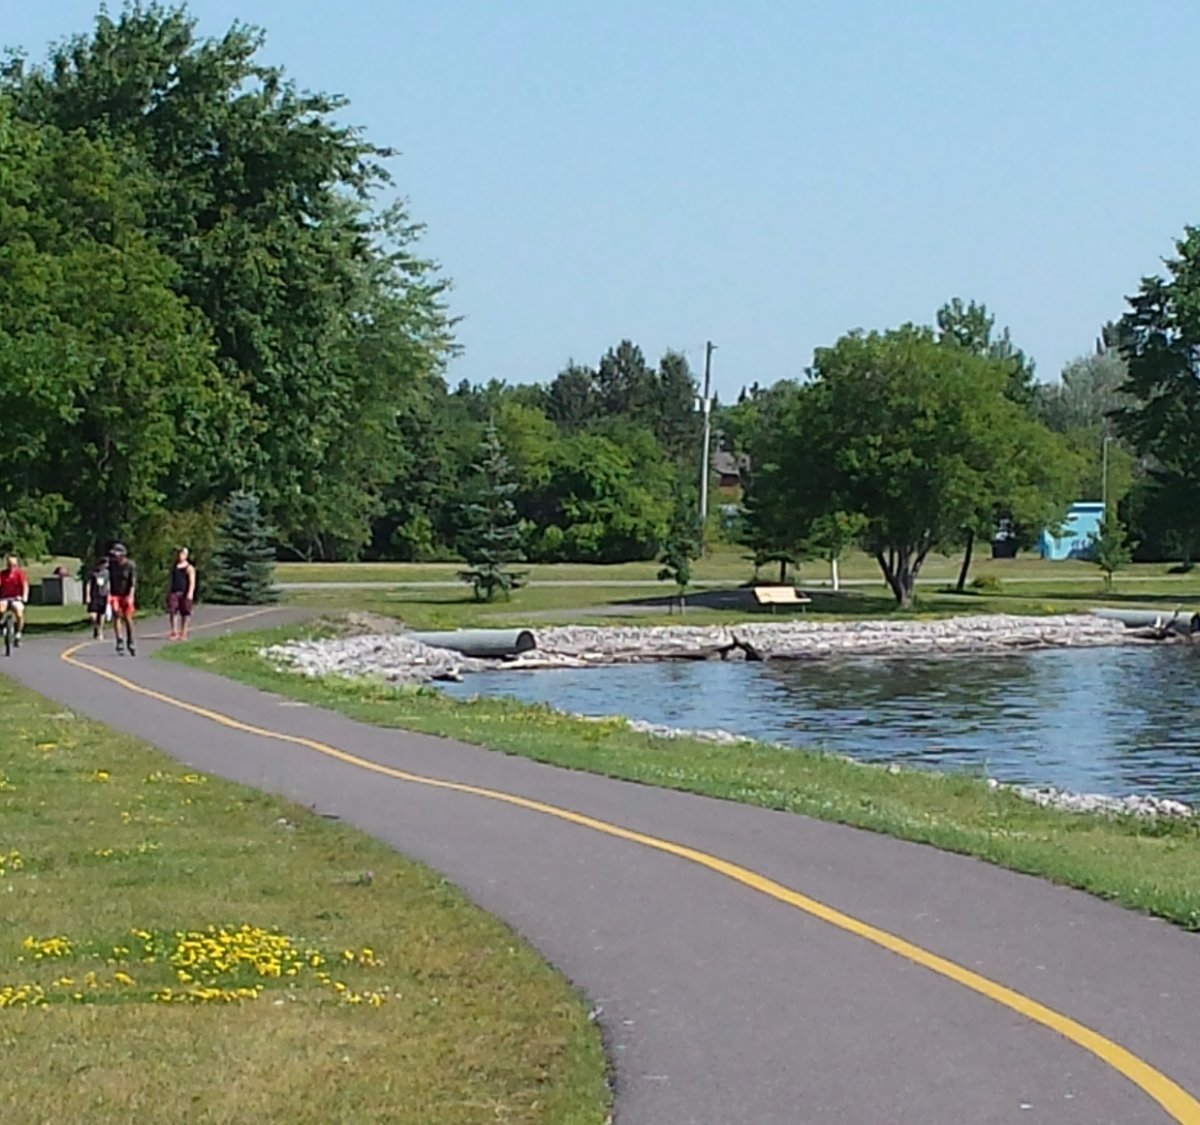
61	591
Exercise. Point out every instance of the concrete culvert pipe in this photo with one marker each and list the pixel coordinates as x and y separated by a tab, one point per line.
483	644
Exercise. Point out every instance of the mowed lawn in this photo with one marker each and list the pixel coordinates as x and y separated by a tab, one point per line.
176	948
727	564
449	607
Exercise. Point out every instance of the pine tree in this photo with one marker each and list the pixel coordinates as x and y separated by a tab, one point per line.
682	547
1111	548
490	541
243	564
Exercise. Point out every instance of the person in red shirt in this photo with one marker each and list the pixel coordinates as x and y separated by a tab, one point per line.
14	592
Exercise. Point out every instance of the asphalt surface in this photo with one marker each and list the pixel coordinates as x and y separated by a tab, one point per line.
720	1004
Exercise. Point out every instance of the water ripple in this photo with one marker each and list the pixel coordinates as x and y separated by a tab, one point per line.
1111	721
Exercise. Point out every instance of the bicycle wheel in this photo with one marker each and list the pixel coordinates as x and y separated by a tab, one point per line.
9	628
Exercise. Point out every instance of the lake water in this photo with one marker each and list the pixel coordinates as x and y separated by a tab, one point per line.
1113	721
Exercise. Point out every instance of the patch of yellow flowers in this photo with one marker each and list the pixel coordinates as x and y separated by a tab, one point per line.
10	861
219	964
143	848
161	777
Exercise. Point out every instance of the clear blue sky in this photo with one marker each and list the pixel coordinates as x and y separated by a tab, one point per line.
764	173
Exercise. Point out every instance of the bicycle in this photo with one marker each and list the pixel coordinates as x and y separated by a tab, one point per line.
10	629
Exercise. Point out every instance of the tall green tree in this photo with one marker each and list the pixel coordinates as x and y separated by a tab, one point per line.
1159	337
242	571
571	399
773	525
606	498
684	544
111	394
972	327
490	539
1111	548
624	381
319	306
906	433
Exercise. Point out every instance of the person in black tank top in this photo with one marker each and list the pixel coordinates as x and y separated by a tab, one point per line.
181	592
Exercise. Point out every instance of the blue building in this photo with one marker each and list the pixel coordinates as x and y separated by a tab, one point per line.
1074	538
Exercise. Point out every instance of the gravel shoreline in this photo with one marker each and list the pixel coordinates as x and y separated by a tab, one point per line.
397	659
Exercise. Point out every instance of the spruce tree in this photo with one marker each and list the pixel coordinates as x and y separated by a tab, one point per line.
490	539
243	564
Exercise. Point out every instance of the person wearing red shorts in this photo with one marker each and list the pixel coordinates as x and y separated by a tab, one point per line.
122	592
14	592
181	592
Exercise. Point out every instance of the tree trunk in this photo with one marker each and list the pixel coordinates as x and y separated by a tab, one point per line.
834	580
901	573
783	572
966	564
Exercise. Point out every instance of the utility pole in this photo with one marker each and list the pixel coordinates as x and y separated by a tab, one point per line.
705	404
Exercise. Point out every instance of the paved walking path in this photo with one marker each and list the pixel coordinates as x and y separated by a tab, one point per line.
726	997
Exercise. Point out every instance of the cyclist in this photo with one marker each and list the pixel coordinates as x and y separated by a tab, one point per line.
122	590
95	597
14	592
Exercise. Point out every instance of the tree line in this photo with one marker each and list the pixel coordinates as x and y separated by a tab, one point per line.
932	438
207	294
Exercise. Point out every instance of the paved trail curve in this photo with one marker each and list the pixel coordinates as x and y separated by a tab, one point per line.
750	967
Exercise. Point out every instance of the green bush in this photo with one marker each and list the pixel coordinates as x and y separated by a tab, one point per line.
243	563
987	584
155	541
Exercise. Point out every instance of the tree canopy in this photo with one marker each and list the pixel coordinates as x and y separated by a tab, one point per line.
1159	337
256	216
908	433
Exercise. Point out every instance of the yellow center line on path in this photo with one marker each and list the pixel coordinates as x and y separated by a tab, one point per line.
217	624
1178	1103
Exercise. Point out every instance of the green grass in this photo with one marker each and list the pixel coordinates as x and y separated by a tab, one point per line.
101	836
547	605
1148	866
729	564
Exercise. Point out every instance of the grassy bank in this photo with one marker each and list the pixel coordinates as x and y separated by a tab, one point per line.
1153	867
452	608
175	948
729	564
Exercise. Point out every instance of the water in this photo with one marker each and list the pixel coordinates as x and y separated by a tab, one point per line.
1109	720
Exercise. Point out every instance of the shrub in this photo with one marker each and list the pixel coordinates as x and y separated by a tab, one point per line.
987	584
243	564
156	539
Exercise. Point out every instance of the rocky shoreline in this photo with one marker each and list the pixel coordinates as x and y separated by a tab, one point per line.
398	659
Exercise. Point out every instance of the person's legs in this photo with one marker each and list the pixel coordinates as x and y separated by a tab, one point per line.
116	604
174	612
185	618
19	611
128	616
